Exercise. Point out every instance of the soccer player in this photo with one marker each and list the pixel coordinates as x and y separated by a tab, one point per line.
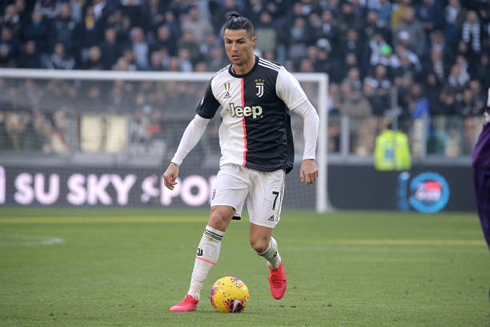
256	144
480	163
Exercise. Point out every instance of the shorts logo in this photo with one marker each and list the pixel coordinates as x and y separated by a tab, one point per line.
271	218
199	252
259	84
214	194
247	111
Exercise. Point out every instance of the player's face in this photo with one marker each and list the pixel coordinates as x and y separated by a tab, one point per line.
239	47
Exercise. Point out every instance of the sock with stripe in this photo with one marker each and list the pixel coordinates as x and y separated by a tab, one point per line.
206	258
272	254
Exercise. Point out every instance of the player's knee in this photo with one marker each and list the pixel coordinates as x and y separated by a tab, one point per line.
259	244
219	220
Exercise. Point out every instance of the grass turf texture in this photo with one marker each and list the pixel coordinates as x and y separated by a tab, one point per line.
127	267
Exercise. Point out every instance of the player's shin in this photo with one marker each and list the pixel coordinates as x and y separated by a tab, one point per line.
206	258
272	254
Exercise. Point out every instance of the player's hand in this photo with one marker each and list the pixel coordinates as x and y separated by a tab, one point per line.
170	176
309	171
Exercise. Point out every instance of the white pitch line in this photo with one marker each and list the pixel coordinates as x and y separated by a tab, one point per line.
26	240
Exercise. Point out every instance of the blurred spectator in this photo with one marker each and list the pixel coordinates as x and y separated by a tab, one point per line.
418	104
153	13
297	48
329	28
29	57
110	48
433	86
63	28
190	43
398	12
351	17
384	9
77	10
196	24
454	18
484	69
156	60
140	47
38	31
352	44
430	14
49	8
134	10
94	60
468	105
9	49
416	34
374	26
11	19
185	64
121	24
59	59
173	24
471	33
165	41
353	79
217	59
88	33
266	33
355	105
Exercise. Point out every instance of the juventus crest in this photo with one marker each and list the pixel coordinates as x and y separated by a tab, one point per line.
259	84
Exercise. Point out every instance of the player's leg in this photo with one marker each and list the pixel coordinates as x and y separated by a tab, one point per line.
481	184
228	198
207	255
264	206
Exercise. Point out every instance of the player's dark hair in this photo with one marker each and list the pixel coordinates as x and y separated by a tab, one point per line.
236	22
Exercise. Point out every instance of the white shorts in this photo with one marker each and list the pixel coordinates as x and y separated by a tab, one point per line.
263	192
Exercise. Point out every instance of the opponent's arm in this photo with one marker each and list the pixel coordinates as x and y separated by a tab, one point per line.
191	136
309	171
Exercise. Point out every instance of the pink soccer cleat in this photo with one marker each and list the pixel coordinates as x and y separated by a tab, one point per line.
278	282
188	304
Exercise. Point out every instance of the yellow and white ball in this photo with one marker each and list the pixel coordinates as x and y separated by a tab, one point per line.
229	294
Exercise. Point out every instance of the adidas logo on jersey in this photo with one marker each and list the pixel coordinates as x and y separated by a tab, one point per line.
247	111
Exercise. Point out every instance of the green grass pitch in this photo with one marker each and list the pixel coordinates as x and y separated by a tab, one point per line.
115	267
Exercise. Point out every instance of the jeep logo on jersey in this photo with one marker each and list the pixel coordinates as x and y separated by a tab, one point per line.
247	111
259	84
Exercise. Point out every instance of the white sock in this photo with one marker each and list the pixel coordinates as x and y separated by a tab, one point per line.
206	258
272	254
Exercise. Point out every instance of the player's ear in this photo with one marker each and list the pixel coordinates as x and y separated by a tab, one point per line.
254	40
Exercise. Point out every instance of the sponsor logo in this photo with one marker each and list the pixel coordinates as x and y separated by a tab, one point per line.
428	192
259	84
247	111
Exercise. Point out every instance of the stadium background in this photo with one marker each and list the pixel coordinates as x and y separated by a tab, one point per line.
424	62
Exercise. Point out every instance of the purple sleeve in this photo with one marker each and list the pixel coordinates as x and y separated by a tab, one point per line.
481	152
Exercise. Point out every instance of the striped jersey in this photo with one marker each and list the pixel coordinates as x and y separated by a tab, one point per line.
255	130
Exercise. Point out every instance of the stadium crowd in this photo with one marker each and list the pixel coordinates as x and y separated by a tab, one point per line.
436	53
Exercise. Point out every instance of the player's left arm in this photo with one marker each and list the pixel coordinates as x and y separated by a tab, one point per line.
309	171
291	92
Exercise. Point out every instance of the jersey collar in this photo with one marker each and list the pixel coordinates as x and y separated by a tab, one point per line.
232	72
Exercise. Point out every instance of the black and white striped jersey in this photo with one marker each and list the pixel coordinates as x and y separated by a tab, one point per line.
255	131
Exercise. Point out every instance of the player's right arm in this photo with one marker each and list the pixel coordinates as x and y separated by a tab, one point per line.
192	134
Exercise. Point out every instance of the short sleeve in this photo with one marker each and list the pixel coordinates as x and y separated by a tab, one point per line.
208	105
289	90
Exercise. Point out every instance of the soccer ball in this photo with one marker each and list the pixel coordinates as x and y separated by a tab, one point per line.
229	294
